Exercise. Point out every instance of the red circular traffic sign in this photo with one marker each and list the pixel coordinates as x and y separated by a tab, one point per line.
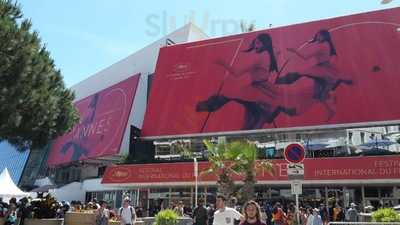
294	153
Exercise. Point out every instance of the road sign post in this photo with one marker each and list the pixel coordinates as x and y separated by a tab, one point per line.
295	171
196	174
295	154
297	189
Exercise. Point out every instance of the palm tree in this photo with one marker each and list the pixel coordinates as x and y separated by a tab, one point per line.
236	158
221	165
244	154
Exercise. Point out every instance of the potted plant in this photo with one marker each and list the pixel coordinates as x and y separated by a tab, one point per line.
385	215
166	217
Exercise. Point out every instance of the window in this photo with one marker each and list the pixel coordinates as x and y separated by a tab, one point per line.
64	176
74	174
350	138
282	137
101	171
371	192
387	192
362	135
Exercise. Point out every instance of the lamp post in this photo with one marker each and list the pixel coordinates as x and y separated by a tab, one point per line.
196	173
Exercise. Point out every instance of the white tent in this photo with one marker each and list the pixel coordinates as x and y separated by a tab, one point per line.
8	188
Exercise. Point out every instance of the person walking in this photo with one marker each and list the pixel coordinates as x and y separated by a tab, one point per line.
352	213
324	213
127	214
338	214
200	214
252	214
102	214
314	218
179	209
210	213
225	215
278	215
11	215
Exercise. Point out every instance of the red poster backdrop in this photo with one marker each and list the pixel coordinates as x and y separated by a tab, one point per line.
349	168
332	72
103	119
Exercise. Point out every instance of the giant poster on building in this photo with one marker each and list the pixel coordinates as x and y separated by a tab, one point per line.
103	119
343	71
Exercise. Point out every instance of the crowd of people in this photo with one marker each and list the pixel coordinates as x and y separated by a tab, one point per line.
253	214
126	214
268	214
47	207
249	213
14	209
279	215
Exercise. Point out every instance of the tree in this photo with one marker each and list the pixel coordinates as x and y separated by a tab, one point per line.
35	105
247	164
221	165
236	158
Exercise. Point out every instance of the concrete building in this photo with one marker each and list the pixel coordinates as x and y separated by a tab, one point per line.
83	175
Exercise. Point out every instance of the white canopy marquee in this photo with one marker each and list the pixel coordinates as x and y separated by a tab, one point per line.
8	188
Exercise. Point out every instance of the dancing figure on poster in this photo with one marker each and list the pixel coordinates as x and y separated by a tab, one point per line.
261	98
324	74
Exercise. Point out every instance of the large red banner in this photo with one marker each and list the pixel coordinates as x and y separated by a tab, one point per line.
336	72
103	119
349	168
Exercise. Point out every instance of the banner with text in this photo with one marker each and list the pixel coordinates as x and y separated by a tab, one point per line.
344	168
335	72
103	119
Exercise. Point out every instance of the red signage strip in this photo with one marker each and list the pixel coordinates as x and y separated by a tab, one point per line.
103	119
146	173
335	72
346	168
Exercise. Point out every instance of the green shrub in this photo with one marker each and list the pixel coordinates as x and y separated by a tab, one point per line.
166	217
385	215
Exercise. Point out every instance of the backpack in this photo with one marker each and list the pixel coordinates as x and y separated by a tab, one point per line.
11	219
133	214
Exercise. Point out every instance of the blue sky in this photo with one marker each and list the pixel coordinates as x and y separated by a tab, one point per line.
86	36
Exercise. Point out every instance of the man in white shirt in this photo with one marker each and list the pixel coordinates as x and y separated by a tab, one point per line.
126	213
225	215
